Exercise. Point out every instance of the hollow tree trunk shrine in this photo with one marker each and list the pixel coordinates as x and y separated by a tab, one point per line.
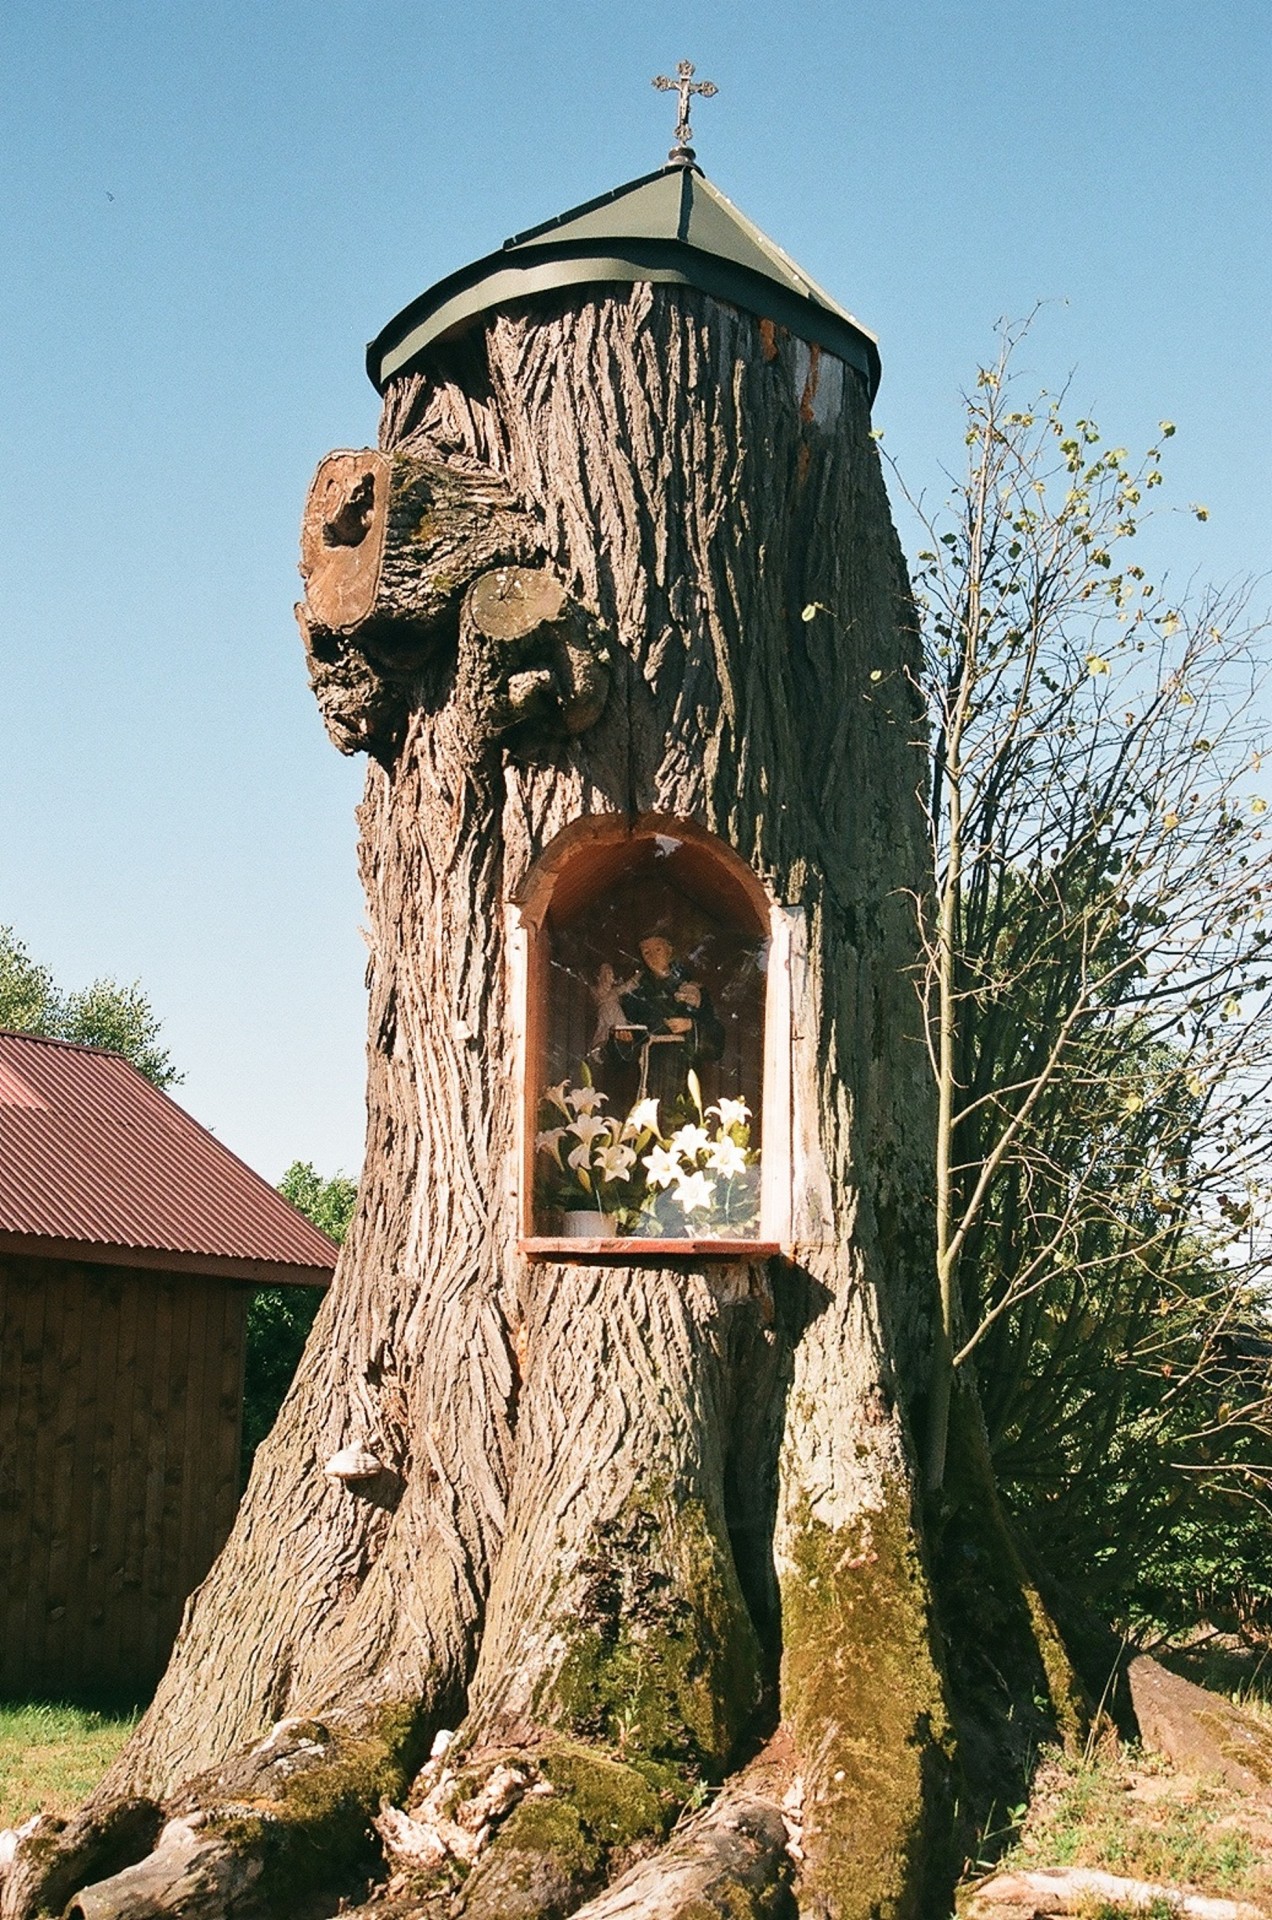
597	1460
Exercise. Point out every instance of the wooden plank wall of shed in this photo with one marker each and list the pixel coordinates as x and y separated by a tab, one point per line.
120	1409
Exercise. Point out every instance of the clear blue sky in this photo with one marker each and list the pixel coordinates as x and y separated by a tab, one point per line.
209	208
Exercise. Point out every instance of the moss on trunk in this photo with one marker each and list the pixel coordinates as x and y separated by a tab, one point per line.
865	1701
663	1662
311	1826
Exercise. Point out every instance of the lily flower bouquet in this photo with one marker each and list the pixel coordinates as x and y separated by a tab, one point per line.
704	1177
700	1178
589	1163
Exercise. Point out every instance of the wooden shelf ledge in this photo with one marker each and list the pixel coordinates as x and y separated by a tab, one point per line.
547	1247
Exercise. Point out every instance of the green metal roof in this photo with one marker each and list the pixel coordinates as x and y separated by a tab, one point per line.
673	225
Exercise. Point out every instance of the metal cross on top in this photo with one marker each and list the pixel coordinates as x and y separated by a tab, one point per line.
686	86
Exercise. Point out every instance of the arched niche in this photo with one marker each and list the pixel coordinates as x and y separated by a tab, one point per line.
650	972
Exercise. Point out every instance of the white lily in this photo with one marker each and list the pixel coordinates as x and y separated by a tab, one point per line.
732	1113
695	1193
690	1141
614	1162
643	1117
549	1141
580	1159
727	1158
555	1097
586	1099
663	1166
585	1128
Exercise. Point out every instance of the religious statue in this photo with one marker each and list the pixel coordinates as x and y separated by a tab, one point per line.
608	992
668	1024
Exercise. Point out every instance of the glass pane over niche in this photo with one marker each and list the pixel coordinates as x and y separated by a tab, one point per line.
648	1124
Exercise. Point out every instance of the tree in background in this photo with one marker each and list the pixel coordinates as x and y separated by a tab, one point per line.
104	1014
327	1203
279	1318
1096	990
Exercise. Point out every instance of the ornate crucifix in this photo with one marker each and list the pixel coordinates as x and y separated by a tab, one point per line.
686	86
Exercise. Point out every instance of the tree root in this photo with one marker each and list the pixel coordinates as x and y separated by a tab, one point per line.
285	1819
536	1831
53	1857
192	1872
729	1862
534	1834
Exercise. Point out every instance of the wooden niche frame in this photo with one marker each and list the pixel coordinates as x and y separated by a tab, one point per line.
579	864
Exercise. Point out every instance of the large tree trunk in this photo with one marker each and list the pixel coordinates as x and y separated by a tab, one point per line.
627	1518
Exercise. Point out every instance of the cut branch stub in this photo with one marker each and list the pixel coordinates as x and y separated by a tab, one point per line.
389	543
529	655
388	546
342	538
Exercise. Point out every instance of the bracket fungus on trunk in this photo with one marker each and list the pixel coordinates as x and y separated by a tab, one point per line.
353	1463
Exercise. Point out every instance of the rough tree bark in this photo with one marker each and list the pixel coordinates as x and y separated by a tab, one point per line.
631	1523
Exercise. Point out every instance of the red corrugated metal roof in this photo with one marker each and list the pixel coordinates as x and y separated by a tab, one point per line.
93	1155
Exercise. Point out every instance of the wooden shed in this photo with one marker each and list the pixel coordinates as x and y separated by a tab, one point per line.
130	1241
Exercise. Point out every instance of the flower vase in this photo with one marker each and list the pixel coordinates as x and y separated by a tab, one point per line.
584	1225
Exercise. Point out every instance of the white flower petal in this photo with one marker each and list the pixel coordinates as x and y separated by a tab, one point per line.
695	1193
663	1166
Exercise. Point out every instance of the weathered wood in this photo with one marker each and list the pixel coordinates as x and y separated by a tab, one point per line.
1030	1893
531	661
513	603
391	542
118	1463
342	538
730	1862
1199	1731
196	1874
55	1857
389	545
361	707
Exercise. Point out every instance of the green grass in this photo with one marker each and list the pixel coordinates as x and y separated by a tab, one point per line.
52	1756
1085	1814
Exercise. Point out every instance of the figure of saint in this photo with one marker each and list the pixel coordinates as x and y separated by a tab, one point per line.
668	1023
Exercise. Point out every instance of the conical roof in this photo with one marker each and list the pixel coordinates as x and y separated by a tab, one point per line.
673	225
